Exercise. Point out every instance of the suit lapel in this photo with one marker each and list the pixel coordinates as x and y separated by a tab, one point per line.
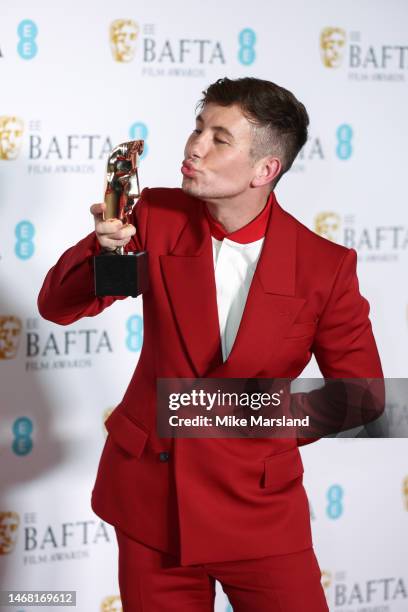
189	278
271	305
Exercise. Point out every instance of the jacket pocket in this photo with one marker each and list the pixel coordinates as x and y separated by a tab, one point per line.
127	434
281	469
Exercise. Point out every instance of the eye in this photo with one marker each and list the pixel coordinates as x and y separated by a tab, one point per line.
218	140
196	131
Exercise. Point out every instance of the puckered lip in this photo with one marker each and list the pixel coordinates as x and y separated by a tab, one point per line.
189	165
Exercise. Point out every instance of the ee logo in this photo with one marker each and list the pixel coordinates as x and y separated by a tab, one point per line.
335	498
134	338
27	32
344	147
139	131
22	430
246	52
24	247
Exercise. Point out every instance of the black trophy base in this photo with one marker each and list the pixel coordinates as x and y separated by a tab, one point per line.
117	275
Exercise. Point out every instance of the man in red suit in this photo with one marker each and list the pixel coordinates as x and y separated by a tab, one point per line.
238	289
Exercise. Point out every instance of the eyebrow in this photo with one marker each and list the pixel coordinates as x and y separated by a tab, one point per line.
217	128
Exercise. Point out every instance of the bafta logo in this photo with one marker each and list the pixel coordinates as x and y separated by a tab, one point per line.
10	330
106	414
11	136
332	44
405	492
9	522
123	35
111	603
326	579
327	224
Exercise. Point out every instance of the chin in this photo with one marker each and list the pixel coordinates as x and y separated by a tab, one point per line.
204	193
189	188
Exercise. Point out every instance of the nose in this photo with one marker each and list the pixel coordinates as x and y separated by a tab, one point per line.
197	146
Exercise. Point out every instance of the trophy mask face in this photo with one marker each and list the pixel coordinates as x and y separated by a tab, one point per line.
326	579
123	36
328	224
10	330
332	43
405	491
9	522
217	156
112	603
11	137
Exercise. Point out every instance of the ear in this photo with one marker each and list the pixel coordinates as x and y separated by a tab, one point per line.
266	170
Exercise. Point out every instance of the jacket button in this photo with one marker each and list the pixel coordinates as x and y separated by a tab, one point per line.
164	456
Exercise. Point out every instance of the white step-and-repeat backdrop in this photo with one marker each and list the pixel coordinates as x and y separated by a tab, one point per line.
75	81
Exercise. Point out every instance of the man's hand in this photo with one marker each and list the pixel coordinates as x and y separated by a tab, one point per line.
111	233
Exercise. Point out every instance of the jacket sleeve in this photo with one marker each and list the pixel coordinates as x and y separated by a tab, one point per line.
68	292
344	345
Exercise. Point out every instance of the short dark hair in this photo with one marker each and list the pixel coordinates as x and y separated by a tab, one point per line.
280	121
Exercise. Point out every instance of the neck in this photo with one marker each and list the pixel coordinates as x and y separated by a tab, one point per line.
237	213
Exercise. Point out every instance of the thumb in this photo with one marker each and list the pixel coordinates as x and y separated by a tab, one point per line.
97	211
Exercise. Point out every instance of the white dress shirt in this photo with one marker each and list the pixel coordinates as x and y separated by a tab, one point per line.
234	266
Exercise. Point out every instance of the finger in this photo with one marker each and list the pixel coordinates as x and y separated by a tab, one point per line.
113	228
97	210
130	229
109	227
123	232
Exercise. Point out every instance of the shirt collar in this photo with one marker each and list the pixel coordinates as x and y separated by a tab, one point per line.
252	231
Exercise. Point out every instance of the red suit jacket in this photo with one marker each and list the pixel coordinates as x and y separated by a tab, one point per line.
211	500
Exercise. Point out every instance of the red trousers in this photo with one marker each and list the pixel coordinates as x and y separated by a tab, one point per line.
153	581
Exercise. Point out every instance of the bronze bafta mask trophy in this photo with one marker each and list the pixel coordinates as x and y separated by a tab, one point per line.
116	272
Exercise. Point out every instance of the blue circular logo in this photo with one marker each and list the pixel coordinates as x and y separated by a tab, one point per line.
134	338
246	51
27	31
24	247
334	496
344	136
22	430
